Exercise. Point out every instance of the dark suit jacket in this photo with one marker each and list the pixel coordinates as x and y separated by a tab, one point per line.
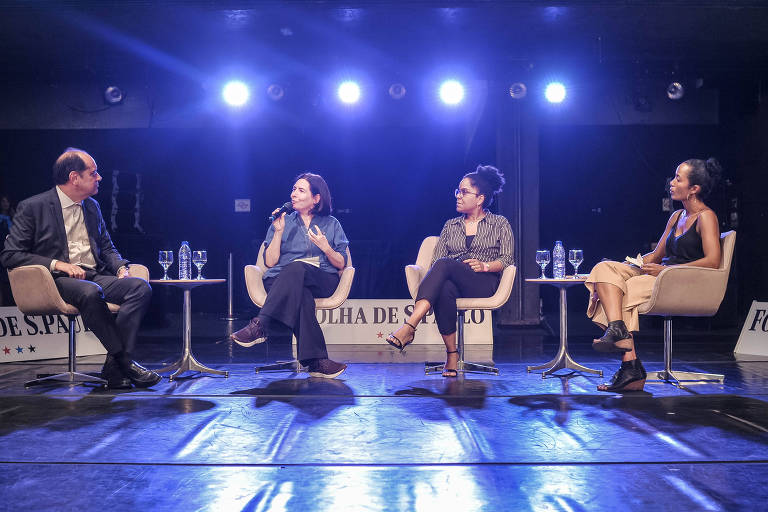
38	235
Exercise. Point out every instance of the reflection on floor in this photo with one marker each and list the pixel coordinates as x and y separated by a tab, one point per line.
388	437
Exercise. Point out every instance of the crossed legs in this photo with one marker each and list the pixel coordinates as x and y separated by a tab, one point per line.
446	281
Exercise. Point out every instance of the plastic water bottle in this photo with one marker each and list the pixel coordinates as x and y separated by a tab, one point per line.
558	261
185	261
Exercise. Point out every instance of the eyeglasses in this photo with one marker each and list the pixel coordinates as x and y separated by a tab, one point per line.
464	192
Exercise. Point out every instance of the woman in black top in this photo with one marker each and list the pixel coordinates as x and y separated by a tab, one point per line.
691	237
472	251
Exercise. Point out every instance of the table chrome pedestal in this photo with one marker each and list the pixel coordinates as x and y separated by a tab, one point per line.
187	362
563	359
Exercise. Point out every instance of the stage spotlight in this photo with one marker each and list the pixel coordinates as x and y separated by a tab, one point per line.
675	91
275	92
397	91
349	92
555	92
113	95
451	92
236	93
518	90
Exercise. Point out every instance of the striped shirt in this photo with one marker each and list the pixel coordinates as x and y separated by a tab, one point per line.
493	241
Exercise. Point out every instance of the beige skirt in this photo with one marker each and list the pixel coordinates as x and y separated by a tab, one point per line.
635	285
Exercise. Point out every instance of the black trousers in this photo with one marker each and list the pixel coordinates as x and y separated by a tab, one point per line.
448	280
90	295
291	301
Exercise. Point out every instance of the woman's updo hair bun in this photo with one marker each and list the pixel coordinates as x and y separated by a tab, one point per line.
704	173
488	180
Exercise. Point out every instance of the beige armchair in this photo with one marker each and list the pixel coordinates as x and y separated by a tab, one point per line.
254	275
35	293
414	274
688	291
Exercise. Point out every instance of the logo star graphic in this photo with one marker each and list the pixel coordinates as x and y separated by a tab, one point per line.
31	348
19	350
379	334
6	350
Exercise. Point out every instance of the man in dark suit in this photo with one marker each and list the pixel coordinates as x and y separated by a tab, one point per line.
63	230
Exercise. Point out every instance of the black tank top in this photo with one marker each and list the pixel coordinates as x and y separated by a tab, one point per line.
684	248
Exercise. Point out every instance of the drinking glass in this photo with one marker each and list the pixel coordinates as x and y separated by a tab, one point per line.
199	258
575	256
165	258
542	258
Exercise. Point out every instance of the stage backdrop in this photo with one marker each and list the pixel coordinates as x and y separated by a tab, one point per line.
368	321
27	338
753	340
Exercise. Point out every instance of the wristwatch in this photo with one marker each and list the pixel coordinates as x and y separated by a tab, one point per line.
486	267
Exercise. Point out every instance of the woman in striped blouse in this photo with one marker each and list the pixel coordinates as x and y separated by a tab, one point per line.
471	253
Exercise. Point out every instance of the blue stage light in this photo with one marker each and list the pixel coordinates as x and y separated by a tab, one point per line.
555	92
349	92
451	92
235	93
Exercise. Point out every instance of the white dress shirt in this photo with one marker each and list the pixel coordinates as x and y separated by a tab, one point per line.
77	235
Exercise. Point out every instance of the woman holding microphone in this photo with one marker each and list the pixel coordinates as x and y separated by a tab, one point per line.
305	250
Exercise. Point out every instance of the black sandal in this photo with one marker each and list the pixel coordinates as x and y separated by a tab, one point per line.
616	331
450	372
397	342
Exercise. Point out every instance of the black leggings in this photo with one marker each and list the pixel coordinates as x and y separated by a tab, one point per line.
449	279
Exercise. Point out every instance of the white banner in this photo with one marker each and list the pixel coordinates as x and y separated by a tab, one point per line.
368	321
753	339
27	338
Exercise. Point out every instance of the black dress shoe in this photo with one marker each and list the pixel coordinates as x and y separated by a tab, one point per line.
113	375
117	382
139	376
630	377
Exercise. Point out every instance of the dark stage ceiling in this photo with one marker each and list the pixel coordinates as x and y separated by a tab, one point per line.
46	40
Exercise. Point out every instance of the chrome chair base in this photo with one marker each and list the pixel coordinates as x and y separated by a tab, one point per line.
675	377
678	378
462	367
282	366
59	378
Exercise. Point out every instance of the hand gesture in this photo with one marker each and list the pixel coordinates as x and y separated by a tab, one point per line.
475	264
652	269
318	238
71	270
279	223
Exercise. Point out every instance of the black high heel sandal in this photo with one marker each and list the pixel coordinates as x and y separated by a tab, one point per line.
450	372
397	342
616	331
630	377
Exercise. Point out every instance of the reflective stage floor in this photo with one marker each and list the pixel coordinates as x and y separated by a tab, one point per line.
384	436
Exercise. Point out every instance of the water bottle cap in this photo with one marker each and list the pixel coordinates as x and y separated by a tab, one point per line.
558	242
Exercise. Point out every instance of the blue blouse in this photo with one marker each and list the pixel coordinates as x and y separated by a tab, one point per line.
295	242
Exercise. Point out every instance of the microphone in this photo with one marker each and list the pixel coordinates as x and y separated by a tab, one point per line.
286	208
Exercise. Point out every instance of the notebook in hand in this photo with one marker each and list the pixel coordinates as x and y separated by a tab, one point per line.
637	261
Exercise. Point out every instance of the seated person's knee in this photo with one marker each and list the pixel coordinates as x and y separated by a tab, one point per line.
442	264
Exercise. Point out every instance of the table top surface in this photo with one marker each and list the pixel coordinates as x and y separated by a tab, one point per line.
187	283
569	280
